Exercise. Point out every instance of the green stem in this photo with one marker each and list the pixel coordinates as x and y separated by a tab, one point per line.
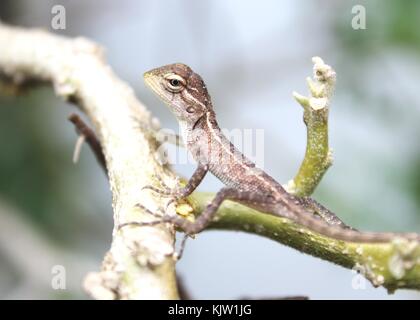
315	115
317	156
393	265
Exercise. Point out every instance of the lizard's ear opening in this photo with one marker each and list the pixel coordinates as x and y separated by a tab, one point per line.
190	109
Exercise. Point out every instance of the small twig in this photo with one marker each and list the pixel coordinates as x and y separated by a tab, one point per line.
318	156
89	136
179	254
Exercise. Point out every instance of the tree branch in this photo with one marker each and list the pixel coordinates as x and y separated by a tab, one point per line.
393	265
318	156
139	264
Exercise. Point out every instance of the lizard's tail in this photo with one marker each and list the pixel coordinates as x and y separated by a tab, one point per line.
313	223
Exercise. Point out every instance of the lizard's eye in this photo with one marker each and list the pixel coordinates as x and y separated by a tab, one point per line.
174	82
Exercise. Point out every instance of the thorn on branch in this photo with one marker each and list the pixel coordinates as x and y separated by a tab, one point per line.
78	148
87	134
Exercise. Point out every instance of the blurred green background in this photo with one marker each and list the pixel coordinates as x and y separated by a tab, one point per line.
252	55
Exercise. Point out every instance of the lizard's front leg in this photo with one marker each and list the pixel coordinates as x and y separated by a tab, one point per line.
192	184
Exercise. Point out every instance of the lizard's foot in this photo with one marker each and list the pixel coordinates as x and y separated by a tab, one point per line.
163	218
164	190
175	194
160	215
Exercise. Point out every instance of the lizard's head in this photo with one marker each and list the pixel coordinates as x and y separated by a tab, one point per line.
181	89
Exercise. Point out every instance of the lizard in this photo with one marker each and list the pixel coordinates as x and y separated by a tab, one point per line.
186	94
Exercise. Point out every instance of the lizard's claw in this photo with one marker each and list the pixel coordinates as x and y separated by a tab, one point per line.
175	193
173	200
161	217
163	192
148	211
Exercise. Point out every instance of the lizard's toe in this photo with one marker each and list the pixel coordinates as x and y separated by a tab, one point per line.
162	192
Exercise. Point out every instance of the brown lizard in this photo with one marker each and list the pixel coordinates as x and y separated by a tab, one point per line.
186	95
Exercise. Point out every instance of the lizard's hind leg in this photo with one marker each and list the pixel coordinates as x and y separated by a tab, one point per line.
325	214
210	211
207	215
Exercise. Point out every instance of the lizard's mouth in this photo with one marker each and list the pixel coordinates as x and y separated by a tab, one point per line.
152	81
147	76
